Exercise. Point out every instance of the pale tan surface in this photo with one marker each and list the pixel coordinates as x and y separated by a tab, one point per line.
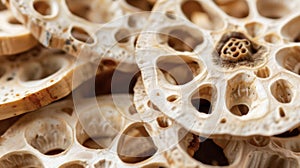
180	146
57	127
100	28
34	79
252	91
14	37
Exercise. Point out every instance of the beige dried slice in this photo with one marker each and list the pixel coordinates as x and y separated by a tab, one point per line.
14	37
229	77
184	149
105	29
36	78
50	137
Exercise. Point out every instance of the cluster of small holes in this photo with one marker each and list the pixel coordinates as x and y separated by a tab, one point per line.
236	49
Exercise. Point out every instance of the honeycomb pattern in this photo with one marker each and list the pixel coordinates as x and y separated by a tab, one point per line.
74	26
193	83
248	57
42	134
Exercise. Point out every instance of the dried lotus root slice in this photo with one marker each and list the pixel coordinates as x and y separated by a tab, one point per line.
234	73
229	151
36	78
14	37
108	29
53	136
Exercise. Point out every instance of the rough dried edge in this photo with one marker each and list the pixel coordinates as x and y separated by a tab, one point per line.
55	30
14	38
264	117
237	149
36	78
63	112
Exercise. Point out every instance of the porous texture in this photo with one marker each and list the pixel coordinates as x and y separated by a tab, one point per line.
182	148
103	29
234	63
14	37
54	137
36	78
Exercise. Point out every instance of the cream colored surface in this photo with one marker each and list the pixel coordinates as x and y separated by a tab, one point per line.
36	78
57	127
14	37
252	87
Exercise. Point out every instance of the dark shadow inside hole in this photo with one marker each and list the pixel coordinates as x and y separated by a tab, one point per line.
145	5
202	105
297	38
91	144
240	109
54	152
211	154
108	82
287	134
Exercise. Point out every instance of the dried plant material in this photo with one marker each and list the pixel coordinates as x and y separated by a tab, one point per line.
50	137
14	37
103	29
234	67
186	149
36	78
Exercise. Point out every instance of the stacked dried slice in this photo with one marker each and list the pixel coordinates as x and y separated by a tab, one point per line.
235	71
97	139
182	148
14	37
36	78
106	29
218	84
